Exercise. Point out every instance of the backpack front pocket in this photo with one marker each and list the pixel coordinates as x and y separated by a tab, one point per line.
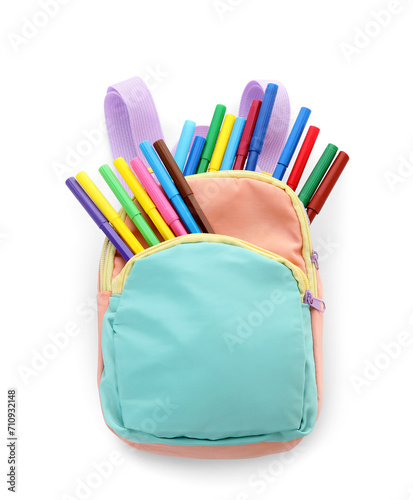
209	340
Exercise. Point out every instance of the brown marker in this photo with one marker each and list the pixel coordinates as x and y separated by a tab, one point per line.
183	187
324	189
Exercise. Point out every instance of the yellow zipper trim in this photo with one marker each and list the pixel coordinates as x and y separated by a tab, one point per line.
106	266
102	267
107	261
119	282
297	205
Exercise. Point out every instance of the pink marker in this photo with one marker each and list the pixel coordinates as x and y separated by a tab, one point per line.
161	201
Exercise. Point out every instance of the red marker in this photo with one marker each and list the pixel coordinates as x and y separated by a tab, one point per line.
245	140
302	157
324	189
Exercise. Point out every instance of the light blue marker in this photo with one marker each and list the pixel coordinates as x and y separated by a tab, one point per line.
194	155
169	187
292	143
184	143
233	143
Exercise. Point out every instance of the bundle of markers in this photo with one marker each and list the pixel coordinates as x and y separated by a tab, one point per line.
231	143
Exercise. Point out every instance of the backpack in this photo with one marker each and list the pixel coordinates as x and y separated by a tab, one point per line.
210	345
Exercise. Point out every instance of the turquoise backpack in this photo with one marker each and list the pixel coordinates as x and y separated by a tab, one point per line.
210	345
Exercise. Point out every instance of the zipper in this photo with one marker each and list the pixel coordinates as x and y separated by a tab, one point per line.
314	301
103	285
314	259
119	282
297	205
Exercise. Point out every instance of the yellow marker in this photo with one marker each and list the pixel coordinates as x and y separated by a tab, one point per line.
108	211
222	143
143	198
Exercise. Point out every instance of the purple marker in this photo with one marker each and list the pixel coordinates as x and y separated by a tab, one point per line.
99	218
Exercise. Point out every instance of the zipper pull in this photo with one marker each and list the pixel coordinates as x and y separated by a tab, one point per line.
314	302
314	259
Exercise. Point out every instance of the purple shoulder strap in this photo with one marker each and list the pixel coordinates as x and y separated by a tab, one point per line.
131	118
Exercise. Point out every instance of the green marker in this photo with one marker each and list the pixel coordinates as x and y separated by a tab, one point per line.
211	138
317	174
130	207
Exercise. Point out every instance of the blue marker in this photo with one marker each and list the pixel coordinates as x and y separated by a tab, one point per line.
233	143
261	126
194	155
169	187
184	143
292	143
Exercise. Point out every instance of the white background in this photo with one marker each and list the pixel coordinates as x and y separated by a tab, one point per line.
52	89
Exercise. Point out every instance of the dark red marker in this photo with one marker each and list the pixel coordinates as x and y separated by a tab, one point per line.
324	189
244	143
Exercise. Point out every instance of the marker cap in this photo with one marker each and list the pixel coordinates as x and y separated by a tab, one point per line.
184	143
222	143
119	191
320	196
294	136
134	185
171	166
85	201
302	157
154	191
102	203
317	174
211	138
99	218
257	141
245	140
160	172
194	155
233	144
213	131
